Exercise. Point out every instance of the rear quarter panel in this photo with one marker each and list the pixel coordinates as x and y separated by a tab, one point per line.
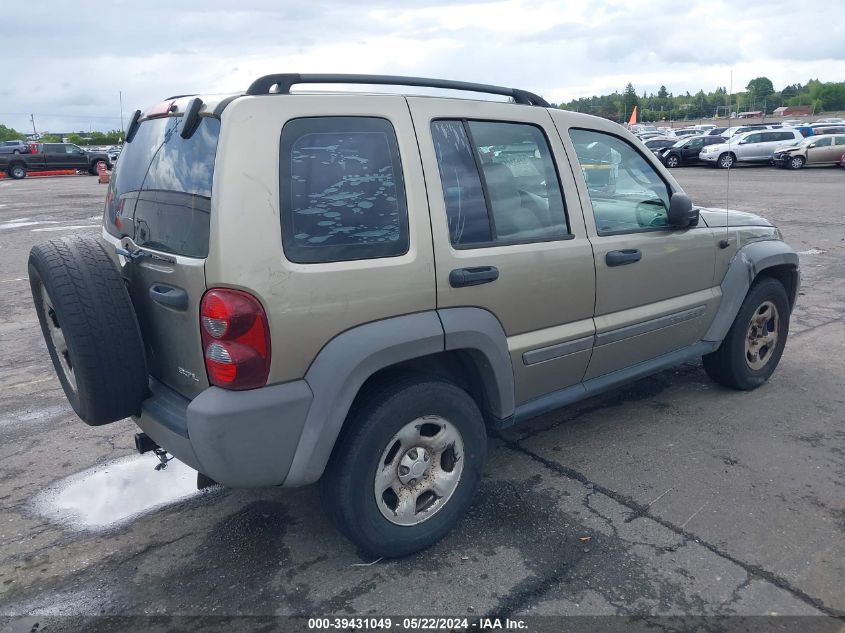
308	304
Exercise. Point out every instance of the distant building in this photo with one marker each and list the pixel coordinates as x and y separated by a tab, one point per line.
793	111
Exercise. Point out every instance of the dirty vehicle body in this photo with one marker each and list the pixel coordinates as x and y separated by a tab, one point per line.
356	288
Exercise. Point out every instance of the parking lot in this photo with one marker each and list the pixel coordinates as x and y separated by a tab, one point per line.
672	496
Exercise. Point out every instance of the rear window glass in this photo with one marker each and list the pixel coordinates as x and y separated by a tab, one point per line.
160	192
342	191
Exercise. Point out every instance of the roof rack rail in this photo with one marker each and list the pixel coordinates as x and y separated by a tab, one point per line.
284	82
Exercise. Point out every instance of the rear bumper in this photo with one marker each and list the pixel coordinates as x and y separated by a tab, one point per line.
241	439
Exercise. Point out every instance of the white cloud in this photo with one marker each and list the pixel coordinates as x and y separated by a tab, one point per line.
66	62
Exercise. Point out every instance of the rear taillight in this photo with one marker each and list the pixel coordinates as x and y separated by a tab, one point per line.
235	339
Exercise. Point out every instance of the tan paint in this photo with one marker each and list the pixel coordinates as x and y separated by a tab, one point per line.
308	304
676	265
541	285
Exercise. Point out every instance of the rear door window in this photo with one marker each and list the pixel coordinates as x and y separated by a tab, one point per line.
342	190
499	183
160	192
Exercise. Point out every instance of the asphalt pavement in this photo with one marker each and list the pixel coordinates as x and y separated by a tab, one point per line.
670	497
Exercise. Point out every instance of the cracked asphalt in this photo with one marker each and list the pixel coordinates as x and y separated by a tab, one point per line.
670	497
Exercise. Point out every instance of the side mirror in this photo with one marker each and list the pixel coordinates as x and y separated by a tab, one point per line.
681	213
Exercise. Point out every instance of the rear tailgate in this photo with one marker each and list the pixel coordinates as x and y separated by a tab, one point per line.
158	208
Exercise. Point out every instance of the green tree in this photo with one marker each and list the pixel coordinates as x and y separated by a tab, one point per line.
832	96
629	99
9	134
760	88
662	93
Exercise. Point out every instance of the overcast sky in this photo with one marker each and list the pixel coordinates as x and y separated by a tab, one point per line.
67	61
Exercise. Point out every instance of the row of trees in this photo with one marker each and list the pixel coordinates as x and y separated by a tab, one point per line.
759	94
93	138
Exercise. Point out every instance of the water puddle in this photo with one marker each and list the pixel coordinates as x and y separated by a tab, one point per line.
109	495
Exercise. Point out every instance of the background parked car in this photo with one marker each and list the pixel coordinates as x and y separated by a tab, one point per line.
660	142
751	147
831	120
816	150
687	132
750	127
827	128
716	131
14	147
686	151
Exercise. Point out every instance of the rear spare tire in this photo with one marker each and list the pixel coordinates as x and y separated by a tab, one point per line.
90	328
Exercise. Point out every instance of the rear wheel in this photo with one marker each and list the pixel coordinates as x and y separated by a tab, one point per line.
796	162
17	171
726	161
754	345
406	467
90	328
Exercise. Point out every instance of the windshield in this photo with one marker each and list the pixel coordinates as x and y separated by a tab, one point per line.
160	193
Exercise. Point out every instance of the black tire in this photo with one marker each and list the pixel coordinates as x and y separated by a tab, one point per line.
796	162
17	171
92	168
17	151
726	160
672	160
729	365
347	486
101	364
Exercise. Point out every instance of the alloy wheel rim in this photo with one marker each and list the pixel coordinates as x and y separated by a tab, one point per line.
727	161
762	337
419	470
57	338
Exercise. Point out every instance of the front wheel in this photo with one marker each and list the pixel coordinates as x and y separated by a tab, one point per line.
796	162
406	466
672	161
726	161
754	345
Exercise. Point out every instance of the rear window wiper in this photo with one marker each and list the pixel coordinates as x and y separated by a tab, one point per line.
133	252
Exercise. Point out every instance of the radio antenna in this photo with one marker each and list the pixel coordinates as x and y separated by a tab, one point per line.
727	242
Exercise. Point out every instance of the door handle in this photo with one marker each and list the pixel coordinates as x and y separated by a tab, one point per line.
461	277
625	256
169	296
